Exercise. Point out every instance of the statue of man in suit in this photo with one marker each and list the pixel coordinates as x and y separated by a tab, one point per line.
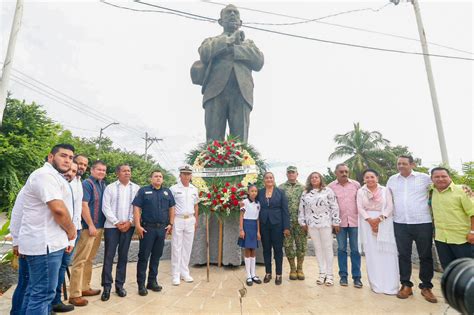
227	62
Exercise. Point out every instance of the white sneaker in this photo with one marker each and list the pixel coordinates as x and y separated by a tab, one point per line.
175	282
188	278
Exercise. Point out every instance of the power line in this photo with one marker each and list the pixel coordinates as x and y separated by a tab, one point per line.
316	39
56	98
83	110
63	101
141	10
318	20
82	105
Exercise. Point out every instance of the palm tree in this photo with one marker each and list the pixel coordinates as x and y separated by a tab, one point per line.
366	149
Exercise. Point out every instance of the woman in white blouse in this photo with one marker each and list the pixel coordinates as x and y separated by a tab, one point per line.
319	214
376	235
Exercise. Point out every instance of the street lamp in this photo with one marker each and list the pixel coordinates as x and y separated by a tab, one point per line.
102	130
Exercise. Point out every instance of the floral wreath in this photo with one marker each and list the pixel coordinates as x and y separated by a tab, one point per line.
221	194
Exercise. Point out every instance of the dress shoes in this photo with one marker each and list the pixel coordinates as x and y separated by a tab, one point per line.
404	292
142	291
154	286
78	301
188	279
267	278
278	280
63	308
121	291
90	292
428	295
106	294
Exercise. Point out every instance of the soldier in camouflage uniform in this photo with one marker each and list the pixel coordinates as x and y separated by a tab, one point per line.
298	237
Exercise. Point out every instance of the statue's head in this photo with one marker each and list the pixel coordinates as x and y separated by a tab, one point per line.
230	18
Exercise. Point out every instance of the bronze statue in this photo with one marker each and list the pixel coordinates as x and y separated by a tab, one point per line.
225	73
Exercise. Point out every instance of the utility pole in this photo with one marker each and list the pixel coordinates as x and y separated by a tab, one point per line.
148	142
7	65
429	72
102	131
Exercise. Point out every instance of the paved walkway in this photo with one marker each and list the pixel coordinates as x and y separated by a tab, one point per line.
220	296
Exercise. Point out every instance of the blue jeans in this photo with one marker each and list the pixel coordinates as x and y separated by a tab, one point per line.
66	259
43	271
351	233
23	276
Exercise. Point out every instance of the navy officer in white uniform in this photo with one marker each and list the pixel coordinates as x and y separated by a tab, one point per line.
184	220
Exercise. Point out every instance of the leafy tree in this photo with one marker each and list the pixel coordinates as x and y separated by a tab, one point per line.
26	137
368	149
468	174
329	177
365	150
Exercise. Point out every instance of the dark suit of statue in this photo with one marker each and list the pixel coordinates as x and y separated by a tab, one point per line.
228	84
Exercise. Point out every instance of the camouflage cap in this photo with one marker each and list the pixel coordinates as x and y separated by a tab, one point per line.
291	169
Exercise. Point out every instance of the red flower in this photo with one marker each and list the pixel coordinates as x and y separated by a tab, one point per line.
238	153
214	202
227	153
240	185
235	202
209	149
242	193
213	159
224	190
213	151
219	156
227	148
215	190
218	196
225	142
233	190
209	196
221	201
226	206
227	184
232	197
233	145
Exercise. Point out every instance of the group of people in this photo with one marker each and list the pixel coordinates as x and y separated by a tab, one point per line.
382	222
58	217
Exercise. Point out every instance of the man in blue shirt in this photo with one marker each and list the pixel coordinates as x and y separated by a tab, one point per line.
152	207
93	221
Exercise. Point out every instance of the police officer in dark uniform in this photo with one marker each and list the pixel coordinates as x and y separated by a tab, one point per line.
152	206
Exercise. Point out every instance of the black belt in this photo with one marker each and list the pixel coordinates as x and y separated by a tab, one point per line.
153	225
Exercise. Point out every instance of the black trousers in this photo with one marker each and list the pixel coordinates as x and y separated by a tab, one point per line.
152	244
422	235
272	237
113	238
450	252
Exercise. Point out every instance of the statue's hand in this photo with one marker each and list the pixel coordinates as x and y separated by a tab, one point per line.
239	37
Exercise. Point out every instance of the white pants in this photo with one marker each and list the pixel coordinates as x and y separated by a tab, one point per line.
322	240
181	246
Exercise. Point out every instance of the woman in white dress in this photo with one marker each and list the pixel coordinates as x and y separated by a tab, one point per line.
319	214
376	236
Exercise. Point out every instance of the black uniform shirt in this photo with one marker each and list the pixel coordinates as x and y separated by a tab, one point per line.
155	204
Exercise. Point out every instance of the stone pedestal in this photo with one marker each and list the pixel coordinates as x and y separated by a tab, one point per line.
232	254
